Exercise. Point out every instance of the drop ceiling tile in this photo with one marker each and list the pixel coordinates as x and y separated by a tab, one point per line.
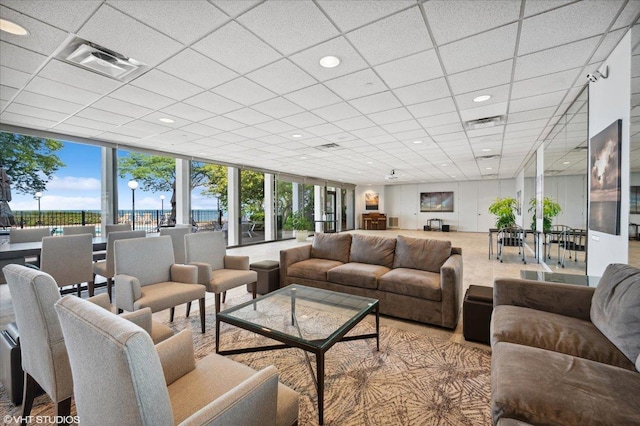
235	7
273	139
376	103
350	15
201	129
42	38
412	69
350	60
121	107
183	21
251	132
610	41
498	94
67	15
142	97
230	137
439	120
23	120
391	116
244	91
568	24
356	85
176	137
396	36
313	97
278	108
61	91
401	126
46	102
422	92
445	130
68	74
438	106
481	78
91	124
211	102
225	43
483	49
534	114
323	129
526	125
339	138
276	22
248	116
546	62
409	136
547	83
535	102
340	111
355	123
282	77
369	132
104	116
166	85
31	111
275	126
113	30
13	78
196	68
187	112
20	59
155	117
76	130
627	16
222	123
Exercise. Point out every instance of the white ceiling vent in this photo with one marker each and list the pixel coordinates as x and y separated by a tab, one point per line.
488	157
328	146
483	123
96	58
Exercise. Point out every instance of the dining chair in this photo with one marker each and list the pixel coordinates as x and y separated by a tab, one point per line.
218	271
82	229
105	268
117	228
29	235
146	275
43	350
177	239
162	385
69	260
513	236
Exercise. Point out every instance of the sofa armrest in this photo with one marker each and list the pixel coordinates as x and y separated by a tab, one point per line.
176	356
451	287
128	290
290	256
141	318
564	299
187	274
101	300
255	397
204	272
236	262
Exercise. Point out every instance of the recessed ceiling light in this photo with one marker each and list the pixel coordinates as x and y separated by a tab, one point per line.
296	135
566	162
486	150
489	168
369	162
417	141
166	120
482	98
303	158
13	28
443	164
330	62
453	175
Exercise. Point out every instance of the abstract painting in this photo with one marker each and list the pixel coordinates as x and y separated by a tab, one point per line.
436	201
605	187
371	201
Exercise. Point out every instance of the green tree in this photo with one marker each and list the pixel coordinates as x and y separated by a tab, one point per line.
30	162
251	189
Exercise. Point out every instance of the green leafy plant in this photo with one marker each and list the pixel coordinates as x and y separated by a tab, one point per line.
550	209
299	222
504	210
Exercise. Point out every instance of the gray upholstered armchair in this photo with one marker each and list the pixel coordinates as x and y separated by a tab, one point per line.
105	268
216	270
162	385
44	353
146	275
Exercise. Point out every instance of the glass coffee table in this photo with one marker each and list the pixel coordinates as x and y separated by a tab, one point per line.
302	317
561	277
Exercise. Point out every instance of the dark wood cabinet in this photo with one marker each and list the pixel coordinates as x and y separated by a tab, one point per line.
374	221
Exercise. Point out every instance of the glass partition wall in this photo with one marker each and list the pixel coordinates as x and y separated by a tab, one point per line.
634	152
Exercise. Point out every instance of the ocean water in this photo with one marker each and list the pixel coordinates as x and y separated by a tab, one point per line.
604	216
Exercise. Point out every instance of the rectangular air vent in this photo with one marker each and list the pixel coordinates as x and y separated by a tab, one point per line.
393	222
328	146
488	157
483	123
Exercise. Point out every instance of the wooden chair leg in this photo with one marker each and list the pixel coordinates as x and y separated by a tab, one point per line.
172	312
224	297
79	289
217	302
254	289
109	285
91	286
28	395
188	308
63	409
202	314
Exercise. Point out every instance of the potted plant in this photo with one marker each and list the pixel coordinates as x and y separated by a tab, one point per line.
504	210
301	225
550	209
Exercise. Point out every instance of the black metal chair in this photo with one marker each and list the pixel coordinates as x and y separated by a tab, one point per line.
557	235
511	237
576	241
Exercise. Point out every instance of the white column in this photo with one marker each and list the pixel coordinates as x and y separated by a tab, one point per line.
269	207
338	213
350	206
318	206
108	187
183	191
296	200
233	200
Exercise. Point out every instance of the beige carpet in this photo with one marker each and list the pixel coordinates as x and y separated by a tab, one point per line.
413	379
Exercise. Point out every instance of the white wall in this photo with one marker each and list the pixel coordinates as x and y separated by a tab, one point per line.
610	100
571	193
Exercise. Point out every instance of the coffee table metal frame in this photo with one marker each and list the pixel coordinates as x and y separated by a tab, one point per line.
317	346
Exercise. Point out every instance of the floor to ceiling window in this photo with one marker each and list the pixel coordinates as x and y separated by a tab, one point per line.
252	212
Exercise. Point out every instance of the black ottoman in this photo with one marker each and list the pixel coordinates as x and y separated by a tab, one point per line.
476	313
268	276
11	374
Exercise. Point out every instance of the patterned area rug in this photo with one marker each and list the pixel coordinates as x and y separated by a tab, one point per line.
413	380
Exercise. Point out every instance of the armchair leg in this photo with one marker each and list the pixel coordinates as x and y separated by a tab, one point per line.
109	285
120	311
188	309
79	289
217	302
91	287
63	409
172	312
28	395
201	314
254	289
224	297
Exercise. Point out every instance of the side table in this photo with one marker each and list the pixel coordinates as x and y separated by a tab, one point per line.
476	313
268	276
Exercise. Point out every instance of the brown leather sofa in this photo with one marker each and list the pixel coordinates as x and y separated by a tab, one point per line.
565	354
413	278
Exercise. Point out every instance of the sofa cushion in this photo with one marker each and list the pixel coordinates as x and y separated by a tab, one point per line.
544	387
312	269
357	274
420	253
373	250
412	282
332	247
615	308
558	333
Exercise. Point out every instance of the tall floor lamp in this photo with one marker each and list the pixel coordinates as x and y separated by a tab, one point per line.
133	185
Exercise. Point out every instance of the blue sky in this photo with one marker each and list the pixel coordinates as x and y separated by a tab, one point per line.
77	187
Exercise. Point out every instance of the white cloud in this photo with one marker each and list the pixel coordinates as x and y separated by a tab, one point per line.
57	202
71	183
